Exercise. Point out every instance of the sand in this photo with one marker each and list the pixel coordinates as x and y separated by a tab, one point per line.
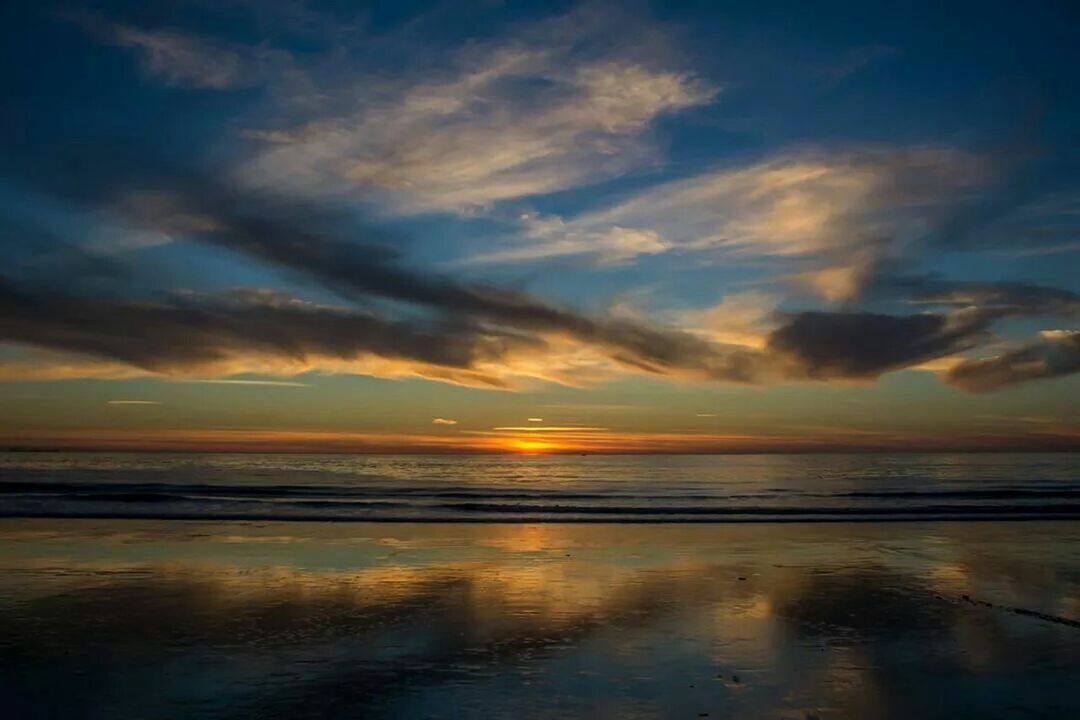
136	619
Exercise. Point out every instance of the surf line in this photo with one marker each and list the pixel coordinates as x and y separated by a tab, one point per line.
1022	611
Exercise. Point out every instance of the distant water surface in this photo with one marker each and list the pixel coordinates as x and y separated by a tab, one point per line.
541	488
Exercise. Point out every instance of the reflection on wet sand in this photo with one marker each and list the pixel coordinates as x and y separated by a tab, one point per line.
145	619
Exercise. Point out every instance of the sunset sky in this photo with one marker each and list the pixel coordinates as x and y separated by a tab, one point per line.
539	226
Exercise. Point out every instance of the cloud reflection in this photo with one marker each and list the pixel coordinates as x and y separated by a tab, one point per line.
385	621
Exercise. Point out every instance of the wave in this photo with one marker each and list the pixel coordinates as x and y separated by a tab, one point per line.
153	491
990	514
1072	509
559	490
396	511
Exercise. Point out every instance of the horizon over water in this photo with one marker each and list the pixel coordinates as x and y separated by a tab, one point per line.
541	488
548	587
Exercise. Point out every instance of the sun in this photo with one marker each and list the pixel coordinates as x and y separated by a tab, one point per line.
531	447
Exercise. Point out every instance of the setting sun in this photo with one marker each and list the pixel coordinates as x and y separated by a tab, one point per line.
531	447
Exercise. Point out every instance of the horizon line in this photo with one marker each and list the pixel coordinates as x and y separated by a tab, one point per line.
465	452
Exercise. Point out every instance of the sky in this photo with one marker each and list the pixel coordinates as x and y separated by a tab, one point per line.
485	226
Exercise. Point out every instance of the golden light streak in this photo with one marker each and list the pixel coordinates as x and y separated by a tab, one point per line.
550	428
1050	437
531	447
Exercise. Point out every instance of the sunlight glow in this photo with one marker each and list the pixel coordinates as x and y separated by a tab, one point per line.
532	447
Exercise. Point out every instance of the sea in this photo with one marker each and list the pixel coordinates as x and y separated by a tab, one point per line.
541	488
554	587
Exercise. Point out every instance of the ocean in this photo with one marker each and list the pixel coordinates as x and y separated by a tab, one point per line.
541	488
174	586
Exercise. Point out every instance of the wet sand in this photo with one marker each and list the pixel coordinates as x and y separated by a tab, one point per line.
141	619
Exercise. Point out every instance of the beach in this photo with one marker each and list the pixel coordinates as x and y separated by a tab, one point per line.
136	618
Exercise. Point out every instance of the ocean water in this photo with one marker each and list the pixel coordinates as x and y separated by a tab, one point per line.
541	488
539	587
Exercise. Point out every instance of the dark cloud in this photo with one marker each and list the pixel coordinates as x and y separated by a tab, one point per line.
1055	355
186	332
424	316
305	242
334	250
826	345
1010	298
460	322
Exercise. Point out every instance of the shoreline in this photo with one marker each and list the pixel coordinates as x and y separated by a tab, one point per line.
810	520
839	620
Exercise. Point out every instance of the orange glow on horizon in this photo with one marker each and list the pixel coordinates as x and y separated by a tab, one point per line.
531	447
1063	437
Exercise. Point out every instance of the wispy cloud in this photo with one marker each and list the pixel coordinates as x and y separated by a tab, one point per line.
182	59
188	60
845	209
550	429
1018	299
553	106
231	381
544	238
132	402
744	318
443	421
1056	353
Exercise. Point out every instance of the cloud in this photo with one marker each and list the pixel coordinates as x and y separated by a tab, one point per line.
811	345
440	327
848	210
462	326
182	59
740	319
249	332
550	237
299	239
1014	298
425	317
132	402
233	381
550	429
552	106
195	332
829	345
1055	354
475	333
443	421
